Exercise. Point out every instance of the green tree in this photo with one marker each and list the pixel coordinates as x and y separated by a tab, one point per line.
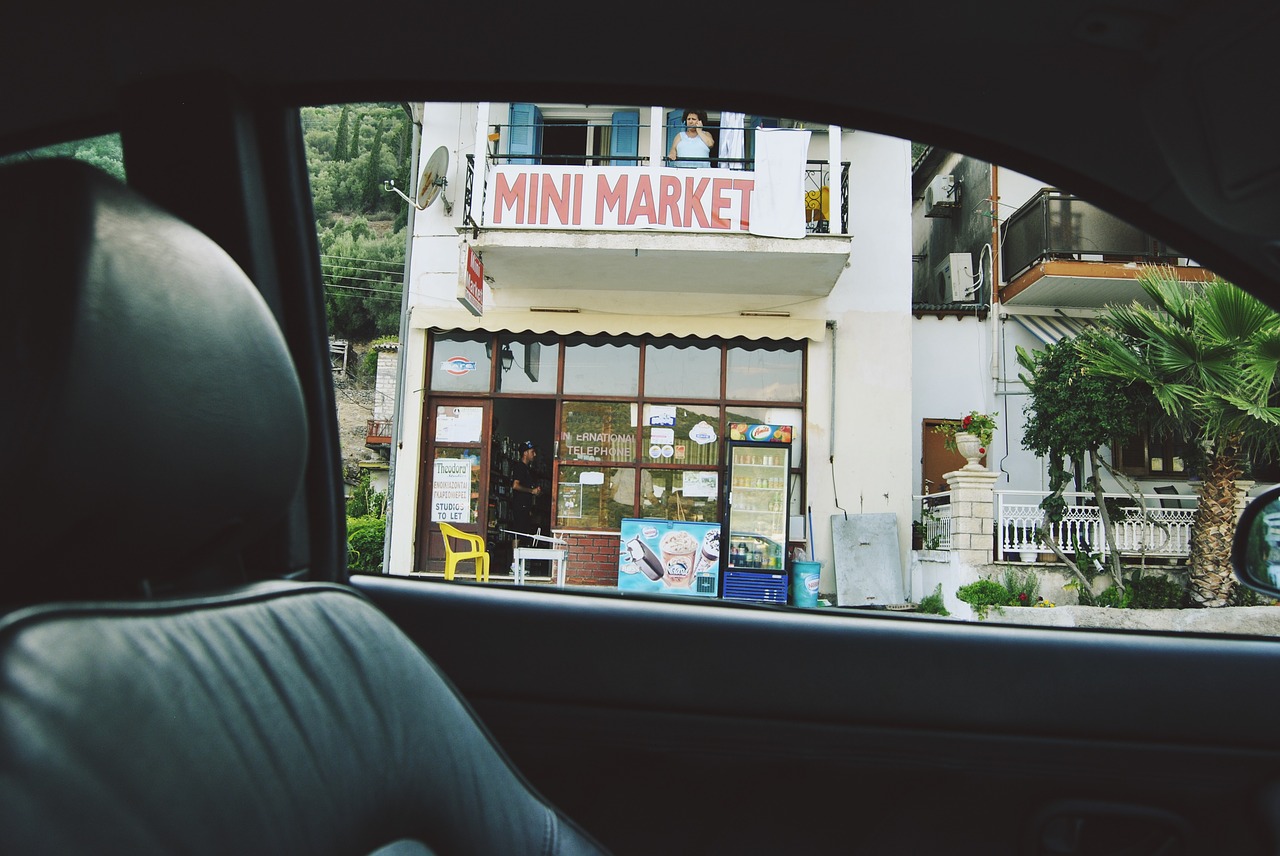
373	174
1071	415
343	143
353	148
1210	355
363	277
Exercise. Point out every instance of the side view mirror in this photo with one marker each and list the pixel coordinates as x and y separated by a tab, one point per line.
1255	553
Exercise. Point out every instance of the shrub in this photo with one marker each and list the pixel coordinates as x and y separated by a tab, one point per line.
1155	592
1114	598
364	543
984	594
1023	587
932	604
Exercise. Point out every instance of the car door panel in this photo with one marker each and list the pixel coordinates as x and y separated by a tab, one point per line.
661	726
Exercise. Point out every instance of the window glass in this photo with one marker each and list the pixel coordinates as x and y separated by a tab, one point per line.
449	491
686	434
460	362
104	152
601	369
692	495
594	497
528	364
682	371
598	431
758	374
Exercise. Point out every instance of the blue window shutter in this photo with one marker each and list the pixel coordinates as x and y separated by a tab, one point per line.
526	132
675	124
625	139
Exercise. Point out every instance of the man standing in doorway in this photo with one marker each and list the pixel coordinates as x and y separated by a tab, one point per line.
524	491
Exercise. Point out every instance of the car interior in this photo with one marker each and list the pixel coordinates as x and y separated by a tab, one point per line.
186	664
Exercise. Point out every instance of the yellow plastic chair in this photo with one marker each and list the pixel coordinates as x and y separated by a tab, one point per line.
474	549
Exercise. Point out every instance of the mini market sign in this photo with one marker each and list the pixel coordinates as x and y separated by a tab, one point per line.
617	198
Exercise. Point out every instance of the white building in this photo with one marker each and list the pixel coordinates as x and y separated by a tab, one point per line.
772	287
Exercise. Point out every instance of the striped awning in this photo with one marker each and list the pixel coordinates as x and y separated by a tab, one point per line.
620	324
1051	329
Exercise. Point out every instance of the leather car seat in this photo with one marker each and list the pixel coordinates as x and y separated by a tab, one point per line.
222	716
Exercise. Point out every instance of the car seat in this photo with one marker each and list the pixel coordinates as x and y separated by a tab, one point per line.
152	700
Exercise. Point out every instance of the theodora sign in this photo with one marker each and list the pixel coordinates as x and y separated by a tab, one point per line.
548	197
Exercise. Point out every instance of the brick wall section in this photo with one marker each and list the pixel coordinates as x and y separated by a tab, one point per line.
593	559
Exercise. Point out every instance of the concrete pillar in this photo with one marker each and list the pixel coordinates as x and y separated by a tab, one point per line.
973	511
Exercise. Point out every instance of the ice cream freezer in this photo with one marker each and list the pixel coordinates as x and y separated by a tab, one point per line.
669	556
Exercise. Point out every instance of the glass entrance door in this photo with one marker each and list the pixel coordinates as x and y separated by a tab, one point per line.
455	471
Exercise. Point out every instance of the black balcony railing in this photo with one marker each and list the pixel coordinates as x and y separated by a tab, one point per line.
817	185
1054	225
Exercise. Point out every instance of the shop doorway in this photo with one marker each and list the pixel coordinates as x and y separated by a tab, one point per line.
517	421
454	470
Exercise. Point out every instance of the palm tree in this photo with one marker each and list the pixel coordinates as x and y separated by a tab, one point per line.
1210	353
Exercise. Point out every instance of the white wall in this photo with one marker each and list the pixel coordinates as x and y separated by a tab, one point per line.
860	457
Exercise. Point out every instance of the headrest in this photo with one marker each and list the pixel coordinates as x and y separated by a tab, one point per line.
155	420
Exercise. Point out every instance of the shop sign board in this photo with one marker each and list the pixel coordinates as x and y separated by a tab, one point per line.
759	433
471	281
619	198
451	490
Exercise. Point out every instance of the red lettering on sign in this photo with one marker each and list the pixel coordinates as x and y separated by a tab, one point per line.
745	186
642	205
719	202
669	201
557	198
577	199
613	198
693	206
508	197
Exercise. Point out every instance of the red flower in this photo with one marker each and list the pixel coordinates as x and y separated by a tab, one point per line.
1022	596
982	450
966	422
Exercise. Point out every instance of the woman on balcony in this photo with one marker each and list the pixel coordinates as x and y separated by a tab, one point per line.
694	142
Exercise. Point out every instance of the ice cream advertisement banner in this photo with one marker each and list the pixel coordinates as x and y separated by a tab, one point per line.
614	198
671	556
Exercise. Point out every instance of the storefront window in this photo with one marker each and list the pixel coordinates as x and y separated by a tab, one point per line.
598	431
528	364
460	362
682	371
594	497
757	374
686	434
691	495
601	369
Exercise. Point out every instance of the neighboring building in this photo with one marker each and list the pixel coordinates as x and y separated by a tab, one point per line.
1056	261
620	291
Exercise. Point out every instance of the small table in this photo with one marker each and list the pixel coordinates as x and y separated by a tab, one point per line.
557	551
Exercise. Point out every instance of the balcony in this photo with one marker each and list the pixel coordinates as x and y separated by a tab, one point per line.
377	433
1060	251
632	223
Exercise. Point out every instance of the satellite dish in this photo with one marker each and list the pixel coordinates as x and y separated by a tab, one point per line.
433	181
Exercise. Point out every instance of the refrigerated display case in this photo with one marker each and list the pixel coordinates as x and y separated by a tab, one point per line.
756	516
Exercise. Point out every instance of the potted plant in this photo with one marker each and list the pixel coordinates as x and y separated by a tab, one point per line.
970	436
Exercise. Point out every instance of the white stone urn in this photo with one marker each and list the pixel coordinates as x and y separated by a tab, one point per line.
970	446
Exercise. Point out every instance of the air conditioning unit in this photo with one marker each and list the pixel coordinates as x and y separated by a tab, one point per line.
955	278
942	196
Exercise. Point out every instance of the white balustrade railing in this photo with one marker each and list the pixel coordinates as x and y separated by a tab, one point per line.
1149	529
934	511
